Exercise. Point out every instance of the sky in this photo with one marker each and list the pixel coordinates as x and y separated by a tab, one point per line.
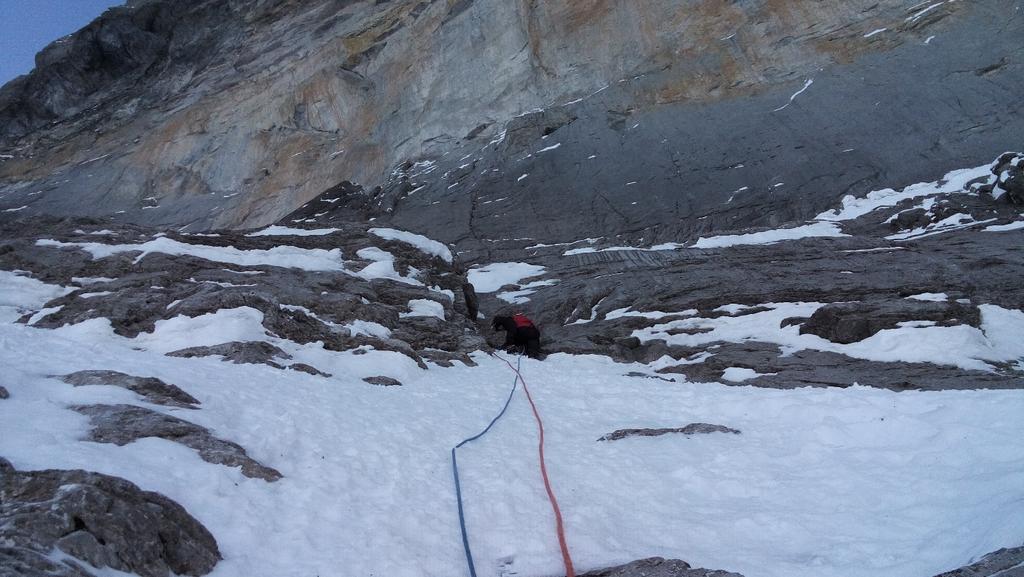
26	26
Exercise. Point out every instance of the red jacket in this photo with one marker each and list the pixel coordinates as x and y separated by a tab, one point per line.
521	321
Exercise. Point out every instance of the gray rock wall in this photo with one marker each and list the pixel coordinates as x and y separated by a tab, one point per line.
234	113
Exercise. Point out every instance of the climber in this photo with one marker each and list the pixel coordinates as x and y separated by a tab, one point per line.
520	334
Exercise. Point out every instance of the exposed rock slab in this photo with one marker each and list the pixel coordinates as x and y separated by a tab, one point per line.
657	567
123	424
383	381
152	389
249	352
301	306
309	370
691	429
1002	563
825	369
851	322
100	520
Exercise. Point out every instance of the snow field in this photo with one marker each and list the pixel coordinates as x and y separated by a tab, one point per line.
821	482
520	296
490	278
818	229
24	294
424	244
383	266
277	230
312	259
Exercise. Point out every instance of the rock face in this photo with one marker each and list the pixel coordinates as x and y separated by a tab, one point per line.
123	424
228	114
152	389
97	520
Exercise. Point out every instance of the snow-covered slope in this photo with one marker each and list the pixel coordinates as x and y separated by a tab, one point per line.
855	482
828	406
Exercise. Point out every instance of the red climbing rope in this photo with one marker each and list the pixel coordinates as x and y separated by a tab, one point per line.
566	558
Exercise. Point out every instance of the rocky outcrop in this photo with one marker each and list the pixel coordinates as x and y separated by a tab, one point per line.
308	369
256	352
252	352
382	381
152	389
851	322
1009	183
3	393
809	368
68	522
360	302
1007	562
691	429
123	424
657	567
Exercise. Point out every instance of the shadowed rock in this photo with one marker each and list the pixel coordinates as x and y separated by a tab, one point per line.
1009	172
152	389
250	352
826	369
646	376
123	424
101	520
383	381
3	393
846	323
446	359
657	567
1002	563
691	429
304	368
296	305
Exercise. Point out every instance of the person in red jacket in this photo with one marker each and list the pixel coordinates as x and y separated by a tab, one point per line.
520	334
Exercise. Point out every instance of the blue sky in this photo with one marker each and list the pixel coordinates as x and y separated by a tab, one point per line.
26	26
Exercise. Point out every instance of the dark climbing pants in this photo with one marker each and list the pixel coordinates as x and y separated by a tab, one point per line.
524	339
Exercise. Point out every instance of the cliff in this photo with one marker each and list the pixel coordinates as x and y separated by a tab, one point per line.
231	114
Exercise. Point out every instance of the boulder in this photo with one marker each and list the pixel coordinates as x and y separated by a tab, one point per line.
152	389
123	424
1009	171
304	368
846	323
249	352
383	381
691	429
657	567
97	519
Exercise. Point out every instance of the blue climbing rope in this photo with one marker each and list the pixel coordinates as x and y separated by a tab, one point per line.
455	471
